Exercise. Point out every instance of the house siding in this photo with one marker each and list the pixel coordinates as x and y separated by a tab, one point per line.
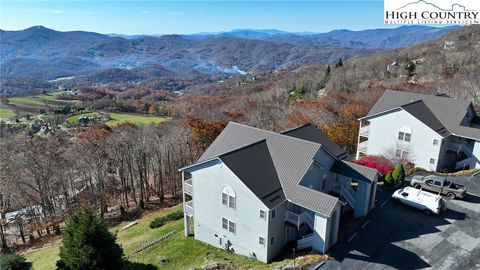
208	183
325	234
383	138
276	230
316	175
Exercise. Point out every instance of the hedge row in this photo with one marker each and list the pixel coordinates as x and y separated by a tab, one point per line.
160	221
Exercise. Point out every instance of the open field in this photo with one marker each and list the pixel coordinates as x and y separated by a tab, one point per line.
119	118
74	119
45	100
5	112
180	252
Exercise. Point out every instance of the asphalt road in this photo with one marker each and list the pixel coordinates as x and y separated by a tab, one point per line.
400	237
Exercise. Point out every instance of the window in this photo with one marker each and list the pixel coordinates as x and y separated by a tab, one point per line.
399	153
273	213
405	134
407	137
272	240
262	214
228	225
261	241
228	197
432	161
231	227
225	223
435	142
224	199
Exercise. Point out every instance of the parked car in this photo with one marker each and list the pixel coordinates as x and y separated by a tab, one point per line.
426	201
440	185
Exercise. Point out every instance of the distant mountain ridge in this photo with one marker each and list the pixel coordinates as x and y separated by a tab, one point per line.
41	53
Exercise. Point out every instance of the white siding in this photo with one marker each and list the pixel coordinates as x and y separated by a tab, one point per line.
317	174
208	182
383	138
476	154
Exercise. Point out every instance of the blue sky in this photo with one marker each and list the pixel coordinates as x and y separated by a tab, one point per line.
183	17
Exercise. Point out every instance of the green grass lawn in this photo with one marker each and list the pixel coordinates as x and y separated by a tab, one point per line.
119	118
181	252
74	119
44	100
5	112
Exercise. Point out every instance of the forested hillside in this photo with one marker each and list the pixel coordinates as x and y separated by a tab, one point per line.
124	168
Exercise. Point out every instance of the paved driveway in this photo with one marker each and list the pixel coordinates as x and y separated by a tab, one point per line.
400	237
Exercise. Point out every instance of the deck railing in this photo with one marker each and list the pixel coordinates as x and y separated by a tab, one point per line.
189	208
187	187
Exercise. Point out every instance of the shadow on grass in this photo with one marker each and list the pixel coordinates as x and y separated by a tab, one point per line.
138	266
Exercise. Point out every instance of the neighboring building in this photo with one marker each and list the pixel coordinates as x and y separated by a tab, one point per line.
254	191
434	132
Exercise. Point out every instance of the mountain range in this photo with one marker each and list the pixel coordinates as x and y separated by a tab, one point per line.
41	53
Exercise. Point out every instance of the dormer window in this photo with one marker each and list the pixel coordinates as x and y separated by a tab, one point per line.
228	197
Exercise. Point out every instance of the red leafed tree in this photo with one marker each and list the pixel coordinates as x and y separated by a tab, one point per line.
380	163
204	131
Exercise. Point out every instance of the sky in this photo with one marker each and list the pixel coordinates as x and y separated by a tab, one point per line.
187	17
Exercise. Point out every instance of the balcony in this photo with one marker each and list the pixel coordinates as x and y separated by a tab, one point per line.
299	219
362	147
187	187
364	130
189	208
305	242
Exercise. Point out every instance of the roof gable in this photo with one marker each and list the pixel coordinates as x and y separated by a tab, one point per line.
291	159
448	111
419	110
254	166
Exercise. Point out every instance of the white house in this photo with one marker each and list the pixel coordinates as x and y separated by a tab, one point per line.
255	191
434	132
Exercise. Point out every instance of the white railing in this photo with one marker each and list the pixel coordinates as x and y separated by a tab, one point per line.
305	242
362	147
309	220
461	147
187	187
292	217
299	219
364	130
463	163
349	195
189	208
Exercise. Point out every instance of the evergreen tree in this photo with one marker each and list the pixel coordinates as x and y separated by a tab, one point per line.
339	63
389	180
87	244
14	262
399	173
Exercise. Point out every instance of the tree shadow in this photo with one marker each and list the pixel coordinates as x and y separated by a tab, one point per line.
471	198
138	266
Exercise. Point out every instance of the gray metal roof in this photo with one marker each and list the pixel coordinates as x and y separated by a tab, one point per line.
311	133
254	166
449	111
291	158
355	171
420	111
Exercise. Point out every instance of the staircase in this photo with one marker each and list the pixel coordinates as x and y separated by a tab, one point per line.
349	195
464	163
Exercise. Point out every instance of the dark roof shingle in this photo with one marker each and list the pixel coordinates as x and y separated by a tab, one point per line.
253	164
